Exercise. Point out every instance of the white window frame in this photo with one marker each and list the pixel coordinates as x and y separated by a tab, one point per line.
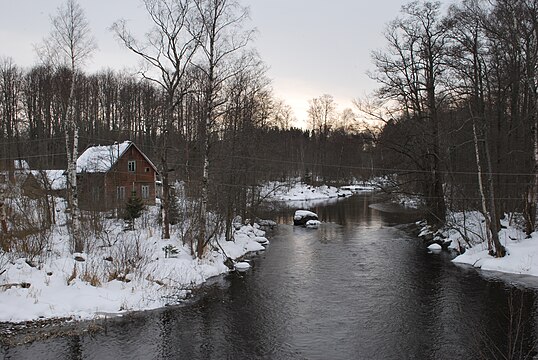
145	191
120	193
131	165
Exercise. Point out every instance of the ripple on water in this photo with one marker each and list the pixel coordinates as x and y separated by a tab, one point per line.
355	288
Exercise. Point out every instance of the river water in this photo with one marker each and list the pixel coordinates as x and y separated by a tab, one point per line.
358	287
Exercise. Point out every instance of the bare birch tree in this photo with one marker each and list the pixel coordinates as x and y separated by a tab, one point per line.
470	70
69	44
168	49
221	39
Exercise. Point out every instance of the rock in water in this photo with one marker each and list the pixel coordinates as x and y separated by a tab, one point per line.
301	217
242	266
313	224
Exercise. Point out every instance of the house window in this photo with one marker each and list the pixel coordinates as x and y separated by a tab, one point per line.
120	192
145	191
131	165
147	169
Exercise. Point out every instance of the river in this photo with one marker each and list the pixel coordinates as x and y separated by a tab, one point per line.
358	287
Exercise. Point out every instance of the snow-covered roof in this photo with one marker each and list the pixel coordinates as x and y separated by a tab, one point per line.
97	159
56	179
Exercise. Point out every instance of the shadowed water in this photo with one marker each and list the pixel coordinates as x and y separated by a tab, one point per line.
356	288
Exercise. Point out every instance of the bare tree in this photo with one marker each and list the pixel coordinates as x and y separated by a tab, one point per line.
221	39
70	44
10	104
322	114
281	114
347	121
469	70
322	118
410	72
167	50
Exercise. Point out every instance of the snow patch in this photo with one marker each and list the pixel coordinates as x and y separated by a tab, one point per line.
279	191
313	224
522	252
242	266
301	214
59	286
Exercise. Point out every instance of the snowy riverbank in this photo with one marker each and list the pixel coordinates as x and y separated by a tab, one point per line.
138	271
522	252
124	271
279	191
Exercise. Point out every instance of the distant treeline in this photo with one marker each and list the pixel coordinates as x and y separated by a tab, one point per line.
253	141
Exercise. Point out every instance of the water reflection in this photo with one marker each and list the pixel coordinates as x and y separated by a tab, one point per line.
338	210
356	288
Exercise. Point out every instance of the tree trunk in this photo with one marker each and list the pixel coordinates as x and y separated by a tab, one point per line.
75	211
204	199
481	186
3	215
72	155
165	202
532	195
500	251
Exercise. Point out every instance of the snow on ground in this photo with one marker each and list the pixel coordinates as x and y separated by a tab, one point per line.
278	191
409	201
522	252
132	270
360	188
123	271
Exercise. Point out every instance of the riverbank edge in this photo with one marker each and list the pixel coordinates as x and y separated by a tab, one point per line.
464	236
19	333
13	333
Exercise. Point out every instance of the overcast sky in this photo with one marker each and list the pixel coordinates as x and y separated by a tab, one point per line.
311	47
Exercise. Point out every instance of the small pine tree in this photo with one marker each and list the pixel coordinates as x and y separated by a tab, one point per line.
133	208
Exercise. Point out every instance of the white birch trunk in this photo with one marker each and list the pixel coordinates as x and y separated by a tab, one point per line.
481	186
75	211
72	156
203	206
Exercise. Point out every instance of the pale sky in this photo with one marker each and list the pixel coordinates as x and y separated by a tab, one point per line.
311	47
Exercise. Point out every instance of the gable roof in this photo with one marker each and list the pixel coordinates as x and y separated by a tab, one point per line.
100	159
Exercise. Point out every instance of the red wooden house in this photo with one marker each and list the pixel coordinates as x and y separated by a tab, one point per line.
108	175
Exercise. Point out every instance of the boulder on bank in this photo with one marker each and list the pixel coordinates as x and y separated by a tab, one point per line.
313	224
301	217
443	244
242	266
